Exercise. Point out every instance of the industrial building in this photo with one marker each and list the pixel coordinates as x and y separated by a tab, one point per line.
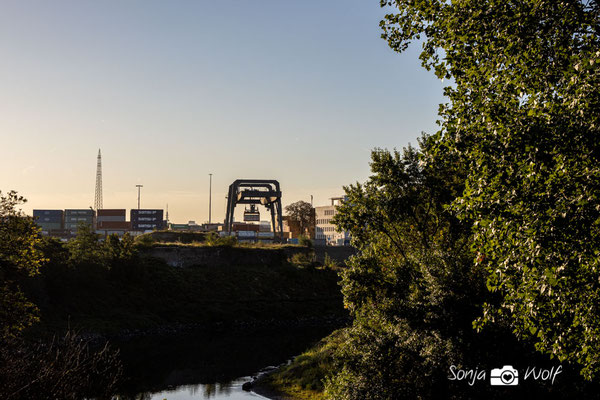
325	231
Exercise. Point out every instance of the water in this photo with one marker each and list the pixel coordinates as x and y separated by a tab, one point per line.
217	391
204	365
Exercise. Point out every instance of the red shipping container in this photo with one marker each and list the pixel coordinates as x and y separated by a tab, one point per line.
112	213
114	225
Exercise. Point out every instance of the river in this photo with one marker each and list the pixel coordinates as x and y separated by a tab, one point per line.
207	365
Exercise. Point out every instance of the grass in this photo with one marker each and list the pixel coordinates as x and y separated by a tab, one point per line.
199	239
303	378
258	245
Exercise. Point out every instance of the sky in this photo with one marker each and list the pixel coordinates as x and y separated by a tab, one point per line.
170	91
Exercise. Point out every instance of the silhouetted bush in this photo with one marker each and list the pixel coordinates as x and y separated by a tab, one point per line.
65	368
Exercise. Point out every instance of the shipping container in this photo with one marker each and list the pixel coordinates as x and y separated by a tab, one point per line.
238	227
146	219
112	218
59	231
112	213
135	213
48	213
74	225
179	227
74	220
265	234
264	227
114	225
251	216
246	234
47	226
142	226
80	212
48	219
103	233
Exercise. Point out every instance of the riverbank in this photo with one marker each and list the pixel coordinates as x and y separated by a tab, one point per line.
302	378
154	364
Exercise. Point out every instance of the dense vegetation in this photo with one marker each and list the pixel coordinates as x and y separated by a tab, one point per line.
482	247
65	368
121	290
54	294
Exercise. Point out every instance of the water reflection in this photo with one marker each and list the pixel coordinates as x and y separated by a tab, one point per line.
216	391
206	365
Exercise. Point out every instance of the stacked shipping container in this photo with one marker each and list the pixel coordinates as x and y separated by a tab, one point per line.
111	221
48	220
75	217
146	220
107	221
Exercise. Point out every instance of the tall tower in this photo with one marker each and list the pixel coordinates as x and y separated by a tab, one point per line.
98	194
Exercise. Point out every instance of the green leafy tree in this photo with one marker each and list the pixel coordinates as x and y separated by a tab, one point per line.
19	257
119	249
86	247
302	213
412	288
523	120
65	368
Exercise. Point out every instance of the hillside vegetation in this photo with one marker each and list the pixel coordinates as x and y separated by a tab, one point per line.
112	286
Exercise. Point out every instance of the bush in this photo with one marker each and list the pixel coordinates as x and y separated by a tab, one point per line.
303	260
213	239
145	240
305	241
329	262
66	368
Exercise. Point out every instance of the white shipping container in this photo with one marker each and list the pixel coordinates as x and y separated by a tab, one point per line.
246	234
265	234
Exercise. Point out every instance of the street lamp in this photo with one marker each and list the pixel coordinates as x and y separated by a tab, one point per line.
139	187
209	198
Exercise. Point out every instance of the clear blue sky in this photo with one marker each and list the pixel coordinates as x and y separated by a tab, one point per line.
298	91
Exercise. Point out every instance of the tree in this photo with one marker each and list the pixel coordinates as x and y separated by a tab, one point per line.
19	257
65	368
302	213
412	288
523	120
86	247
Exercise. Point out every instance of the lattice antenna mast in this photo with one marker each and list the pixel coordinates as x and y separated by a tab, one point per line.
98	194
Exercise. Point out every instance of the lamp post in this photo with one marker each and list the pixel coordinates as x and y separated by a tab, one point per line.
209	198
139	187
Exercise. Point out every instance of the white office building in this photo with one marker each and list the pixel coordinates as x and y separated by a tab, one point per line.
324	230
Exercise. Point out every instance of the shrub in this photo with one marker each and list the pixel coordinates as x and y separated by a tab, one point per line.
145	240
213	239
329	262
305	241
66	368
303	260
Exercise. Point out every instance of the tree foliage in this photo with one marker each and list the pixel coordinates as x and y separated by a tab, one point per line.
302	213
523	120
19	257
412	288
64	368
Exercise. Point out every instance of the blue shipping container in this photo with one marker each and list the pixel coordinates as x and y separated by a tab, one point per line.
47	213
135	214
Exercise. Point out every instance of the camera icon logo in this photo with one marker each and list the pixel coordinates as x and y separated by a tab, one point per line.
505	376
